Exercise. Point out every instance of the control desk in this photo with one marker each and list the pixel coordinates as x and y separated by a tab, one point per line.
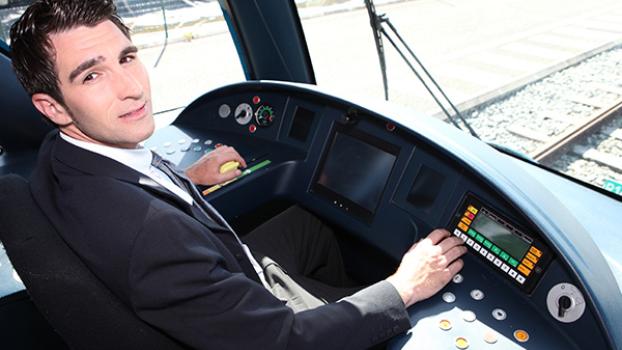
388	185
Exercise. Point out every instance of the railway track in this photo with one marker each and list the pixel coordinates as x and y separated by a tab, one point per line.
570	121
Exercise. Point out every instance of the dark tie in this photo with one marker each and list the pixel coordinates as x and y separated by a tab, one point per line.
180	179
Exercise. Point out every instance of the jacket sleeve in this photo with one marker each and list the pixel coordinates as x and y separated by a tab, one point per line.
179	283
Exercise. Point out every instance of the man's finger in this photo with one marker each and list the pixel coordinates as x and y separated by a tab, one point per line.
438	235
455	267
454	253
450	242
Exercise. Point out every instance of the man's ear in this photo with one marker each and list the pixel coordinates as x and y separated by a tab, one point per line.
52	110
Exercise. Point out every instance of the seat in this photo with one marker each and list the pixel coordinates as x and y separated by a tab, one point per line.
79	307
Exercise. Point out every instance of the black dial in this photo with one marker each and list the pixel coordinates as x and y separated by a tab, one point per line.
264	116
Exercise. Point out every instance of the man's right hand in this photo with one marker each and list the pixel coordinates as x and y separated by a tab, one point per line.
428	266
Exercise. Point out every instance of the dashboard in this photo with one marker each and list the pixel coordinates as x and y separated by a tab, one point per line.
389	184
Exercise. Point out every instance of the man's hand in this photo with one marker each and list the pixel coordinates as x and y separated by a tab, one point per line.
206	171
428	266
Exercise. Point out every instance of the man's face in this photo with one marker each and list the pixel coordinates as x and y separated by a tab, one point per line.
104	85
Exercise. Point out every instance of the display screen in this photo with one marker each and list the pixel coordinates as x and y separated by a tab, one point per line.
356	170
500	235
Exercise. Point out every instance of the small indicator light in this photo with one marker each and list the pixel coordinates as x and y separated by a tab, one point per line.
462	343
252	128
390	127
256	99
444	325
521	335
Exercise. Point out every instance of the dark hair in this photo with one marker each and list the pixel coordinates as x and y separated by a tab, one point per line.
32	50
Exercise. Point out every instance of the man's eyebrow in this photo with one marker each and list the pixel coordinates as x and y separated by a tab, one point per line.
84	66
128	50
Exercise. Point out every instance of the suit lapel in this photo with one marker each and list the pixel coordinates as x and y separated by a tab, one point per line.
96	164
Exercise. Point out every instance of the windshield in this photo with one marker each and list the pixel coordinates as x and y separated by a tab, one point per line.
537	77
542	78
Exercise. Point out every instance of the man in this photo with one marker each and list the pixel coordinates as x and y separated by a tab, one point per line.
146	234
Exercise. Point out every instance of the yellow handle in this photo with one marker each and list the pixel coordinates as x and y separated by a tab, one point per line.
228	166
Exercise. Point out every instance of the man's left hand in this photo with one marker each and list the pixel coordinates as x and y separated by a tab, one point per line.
206	171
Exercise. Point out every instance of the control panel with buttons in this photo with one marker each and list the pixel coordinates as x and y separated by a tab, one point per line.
516	255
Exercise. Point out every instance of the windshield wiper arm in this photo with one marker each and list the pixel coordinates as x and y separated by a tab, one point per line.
377	21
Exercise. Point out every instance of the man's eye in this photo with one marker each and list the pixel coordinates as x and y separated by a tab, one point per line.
89	77
127	59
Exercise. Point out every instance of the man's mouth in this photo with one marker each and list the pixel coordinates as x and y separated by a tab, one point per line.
136	113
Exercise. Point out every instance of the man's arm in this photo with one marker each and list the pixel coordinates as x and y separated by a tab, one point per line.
180	282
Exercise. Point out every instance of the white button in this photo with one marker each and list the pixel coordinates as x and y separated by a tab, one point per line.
505	267
208	142
490	256
520	279
181	141
170	151
470	242
154	149
476	246
477	294
196	140
458	278
197	148
457	233
498	262
449	297
468	316
499	314
483	251
167	144
185	149
463	236
512	273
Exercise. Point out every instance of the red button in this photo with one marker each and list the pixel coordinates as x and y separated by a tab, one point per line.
252	128
256	99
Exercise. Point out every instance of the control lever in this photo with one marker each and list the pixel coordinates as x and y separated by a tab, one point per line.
564	304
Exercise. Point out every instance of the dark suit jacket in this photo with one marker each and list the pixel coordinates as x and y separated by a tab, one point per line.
184	274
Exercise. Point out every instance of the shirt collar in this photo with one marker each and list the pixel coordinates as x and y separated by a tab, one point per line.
138	158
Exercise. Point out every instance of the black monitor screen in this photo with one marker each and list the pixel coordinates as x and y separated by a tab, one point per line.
357	170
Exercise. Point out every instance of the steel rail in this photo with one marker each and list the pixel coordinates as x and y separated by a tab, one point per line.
560	143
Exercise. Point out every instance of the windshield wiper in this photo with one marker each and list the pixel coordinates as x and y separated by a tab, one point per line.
377	23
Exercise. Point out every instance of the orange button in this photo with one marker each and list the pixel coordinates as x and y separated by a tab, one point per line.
535	251
463	227
532	257
466	220
521	335
472	209
528	263
524	270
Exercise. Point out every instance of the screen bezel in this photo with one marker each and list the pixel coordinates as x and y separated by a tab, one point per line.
339	200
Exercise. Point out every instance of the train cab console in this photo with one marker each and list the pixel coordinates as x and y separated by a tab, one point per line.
388	182
536	274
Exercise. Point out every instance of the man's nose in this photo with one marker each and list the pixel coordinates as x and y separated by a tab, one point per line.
128	85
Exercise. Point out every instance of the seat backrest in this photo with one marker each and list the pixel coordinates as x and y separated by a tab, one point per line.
79	307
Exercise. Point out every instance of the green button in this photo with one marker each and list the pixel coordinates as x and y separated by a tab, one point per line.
472	233
479	238
487	244
513	262
504	256
496	249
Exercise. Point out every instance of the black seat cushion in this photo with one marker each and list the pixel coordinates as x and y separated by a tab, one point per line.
79	307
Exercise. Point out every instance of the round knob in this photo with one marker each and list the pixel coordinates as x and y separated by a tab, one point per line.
564	304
